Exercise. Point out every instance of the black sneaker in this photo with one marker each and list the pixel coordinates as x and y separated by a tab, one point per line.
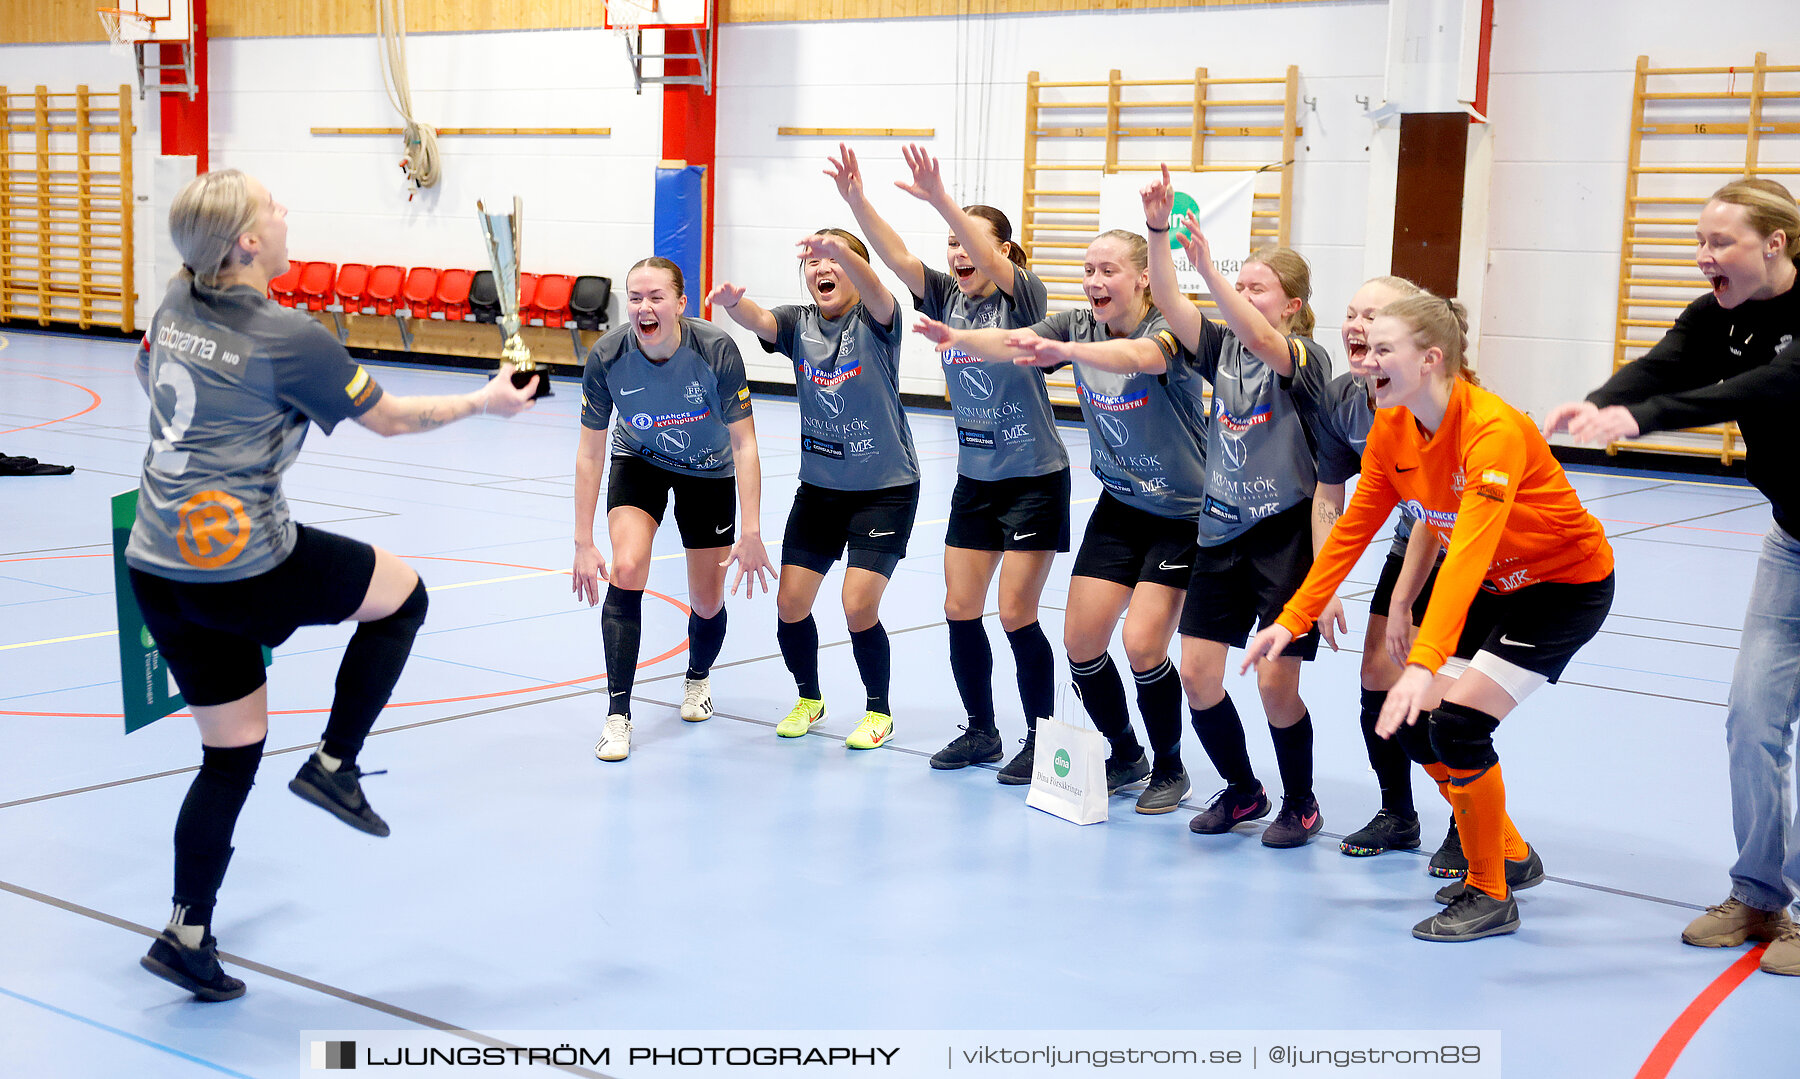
1386	831
1165	791
195	969
1017	772
1527	872
1124	773
1449	861
1298	821
1471	916
338	793
1230	808
975	745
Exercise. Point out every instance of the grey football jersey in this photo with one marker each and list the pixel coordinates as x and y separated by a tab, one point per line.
1258	459
672	413
1146	433
234	381
853	433
1004	426
1339	416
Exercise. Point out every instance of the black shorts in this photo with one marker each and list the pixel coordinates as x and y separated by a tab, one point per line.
212	635
1130	546
1243	583
1540	627
875	525
1030	513
1390	576
705	506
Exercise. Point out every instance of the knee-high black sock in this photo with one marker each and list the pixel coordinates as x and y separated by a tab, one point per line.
705	637
1294	757
1101	690
870	647
1392	770
1415	740
1036	665
371	665
203	829
972	665
1222	736
621	625
1159	702
799	643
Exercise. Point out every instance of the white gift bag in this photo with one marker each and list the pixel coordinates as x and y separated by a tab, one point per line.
1068	772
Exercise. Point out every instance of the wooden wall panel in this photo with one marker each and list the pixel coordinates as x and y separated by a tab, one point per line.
40	21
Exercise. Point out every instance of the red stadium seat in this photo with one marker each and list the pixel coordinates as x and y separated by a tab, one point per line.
452	302
419	291
282	290
316	281
352	286
550	305
528	284
384	288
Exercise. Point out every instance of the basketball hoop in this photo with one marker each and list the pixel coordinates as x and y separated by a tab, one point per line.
126	28
626	17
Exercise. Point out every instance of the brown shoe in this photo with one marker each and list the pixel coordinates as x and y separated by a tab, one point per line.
1732	922
1783	956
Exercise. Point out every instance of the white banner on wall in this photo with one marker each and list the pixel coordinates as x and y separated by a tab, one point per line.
1221	202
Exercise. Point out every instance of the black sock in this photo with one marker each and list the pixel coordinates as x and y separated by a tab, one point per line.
972	665
1415	740
371	665
1159	702
203	829
1098	685
621	625
799	643
1222	736
1392	770
1036	665
705	637
870	647
1294	757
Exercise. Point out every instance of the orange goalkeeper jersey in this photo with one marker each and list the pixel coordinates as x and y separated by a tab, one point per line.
1486	485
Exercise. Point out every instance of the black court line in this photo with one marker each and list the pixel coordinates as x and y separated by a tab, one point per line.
1755	551
53	550
394	1010
1676	622
1585	499
1682	521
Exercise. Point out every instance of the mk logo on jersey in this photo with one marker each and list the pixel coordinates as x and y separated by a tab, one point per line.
214	529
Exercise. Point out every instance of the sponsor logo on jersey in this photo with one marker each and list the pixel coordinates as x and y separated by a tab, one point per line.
744	394
981	440
1115	430
1232	449
952	357
213	529
695	394
833	450
1113	483
978	383
830	403
831	380
1124	402
1221	511
674	440
1239	424
1442	520
361	388
645	421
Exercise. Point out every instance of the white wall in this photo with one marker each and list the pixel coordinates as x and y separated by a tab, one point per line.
1560	102
904	73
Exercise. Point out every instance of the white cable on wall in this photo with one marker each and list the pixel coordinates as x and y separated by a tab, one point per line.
421	160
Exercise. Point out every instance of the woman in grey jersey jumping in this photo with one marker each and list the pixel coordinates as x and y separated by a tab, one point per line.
859	474
219	568
685	429
1010	509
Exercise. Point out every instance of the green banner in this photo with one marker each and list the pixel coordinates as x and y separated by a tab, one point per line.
149	690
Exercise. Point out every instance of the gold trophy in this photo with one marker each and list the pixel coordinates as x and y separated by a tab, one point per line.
501	231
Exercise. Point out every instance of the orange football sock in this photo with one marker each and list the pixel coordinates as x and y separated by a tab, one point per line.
1479	799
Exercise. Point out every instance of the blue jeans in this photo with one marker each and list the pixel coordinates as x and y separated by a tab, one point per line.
1759	731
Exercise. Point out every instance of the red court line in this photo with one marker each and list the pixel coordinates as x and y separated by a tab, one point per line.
92	405
652	661
1687	1024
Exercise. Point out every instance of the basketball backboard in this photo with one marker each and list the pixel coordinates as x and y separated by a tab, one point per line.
148	20
656	14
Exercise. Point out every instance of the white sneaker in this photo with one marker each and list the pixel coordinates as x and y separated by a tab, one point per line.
696	699
615	740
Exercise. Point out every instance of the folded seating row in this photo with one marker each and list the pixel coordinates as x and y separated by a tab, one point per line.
451	295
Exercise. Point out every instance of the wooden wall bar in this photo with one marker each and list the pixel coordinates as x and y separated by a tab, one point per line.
37	21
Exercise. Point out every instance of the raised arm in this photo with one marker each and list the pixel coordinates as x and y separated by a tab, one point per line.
395	415
1264	341
892	250
985	344
1178	311
747	313
973	235
876	299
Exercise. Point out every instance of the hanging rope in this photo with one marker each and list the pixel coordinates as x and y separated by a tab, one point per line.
421	161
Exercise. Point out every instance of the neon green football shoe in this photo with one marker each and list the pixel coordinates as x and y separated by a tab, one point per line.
875	729
805	713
